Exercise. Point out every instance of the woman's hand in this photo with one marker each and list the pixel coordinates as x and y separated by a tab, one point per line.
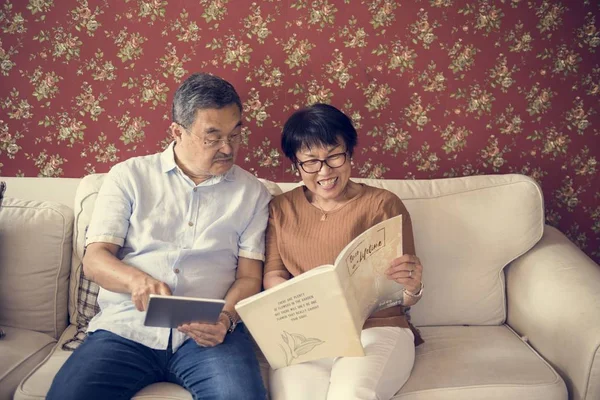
407	271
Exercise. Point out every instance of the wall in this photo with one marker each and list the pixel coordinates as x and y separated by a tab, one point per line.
436	88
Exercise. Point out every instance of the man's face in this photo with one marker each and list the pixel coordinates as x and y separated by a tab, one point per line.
210	145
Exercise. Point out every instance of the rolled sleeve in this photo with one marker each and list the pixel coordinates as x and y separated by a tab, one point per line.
252	240
112	211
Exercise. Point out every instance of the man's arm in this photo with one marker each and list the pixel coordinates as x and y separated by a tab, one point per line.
248	281
101	265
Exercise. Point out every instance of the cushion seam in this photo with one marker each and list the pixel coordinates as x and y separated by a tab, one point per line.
78	268
37	367
535	353
27	358
589	377
504	385
59	270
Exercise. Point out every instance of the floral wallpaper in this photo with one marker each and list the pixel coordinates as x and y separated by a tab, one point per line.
436	88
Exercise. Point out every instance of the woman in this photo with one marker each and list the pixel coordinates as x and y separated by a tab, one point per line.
308	227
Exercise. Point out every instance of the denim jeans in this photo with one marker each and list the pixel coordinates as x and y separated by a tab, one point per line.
107	366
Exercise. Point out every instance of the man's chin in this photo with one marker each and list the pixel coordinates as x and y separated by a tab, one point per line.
222	166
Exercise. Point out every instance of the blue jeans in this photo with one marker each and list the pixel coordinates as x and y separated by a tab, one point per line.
108	366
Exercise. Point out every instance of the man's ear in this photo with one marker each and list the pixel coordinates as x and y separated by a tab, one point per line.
175	131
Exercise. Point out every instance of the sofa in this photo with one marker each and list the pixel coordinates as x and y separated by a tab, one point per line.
511	308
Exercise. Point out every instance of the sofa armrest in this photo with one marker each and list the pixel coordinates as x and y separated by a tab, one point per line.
553	296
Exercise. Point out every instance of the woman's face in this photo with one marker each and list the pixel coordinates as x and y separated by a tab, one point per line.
328	183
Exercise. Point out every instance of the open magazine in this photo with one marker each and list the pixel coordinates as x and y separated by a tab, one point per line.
321	312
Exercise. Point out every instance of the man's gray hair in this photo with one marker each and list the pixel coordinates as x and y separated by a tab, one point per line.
202	91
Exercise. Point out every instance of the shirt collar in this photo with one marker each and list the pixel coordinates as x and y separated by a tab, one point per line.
167	162
167	158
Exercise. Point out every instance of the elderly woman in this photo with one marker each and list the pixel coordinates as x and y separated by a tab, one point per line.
308	227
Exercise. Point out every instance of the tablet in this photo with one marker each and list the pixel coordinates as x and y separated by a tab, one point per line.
172	311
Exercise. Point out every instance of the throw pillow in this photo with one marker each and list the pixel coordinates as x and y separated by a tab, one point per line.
2	190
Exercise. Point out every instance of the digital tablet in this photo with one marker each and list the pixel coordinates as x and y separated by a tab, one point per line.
172	311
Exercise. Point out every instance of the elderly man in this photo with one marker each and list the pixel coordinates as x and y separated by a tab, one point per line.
186	222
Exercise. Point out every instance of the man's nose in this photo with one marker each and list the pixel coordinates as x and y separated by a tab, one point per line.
227	148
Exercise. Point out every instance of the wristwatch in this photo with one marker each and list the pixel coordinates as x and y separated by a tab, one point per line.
232	321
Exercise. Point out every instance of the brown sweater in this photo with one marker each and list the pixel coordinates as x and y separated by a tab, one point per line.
297	239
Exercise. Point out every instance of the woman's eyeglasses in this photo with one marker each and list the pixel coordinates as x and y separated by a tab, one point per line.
315	165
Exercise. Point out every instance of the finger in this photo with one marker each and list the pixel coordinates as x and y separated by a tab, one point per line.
401	280
138	304
404	272
204	340
405	259
164	289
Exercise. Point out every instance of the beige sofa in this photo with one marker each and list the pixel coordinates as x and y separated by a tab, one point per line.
511	308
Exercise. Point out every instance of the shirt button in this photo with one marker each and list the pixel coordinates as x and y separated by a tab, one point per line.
176	270
195	189
190	223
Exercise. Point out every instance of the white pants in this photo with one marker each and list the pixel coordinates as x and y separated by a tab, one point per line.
386	366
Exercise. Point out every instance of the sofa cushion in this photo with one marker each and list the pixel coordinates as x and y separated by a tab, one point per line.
35	254
466	231
483	362
83	292
21	351
36	384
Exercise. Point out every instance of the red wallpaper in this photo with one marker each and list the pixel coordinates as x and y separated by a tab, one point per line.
436	88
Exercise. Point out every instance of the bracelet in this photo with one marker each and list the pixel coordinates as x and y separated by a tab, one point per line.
415	295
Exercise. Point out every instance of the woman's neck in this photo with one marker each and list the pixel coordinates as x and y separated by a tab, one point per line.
351	190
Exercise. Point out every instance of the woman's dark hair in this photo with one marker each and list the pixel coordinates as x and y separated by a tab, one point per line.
317	125
201	91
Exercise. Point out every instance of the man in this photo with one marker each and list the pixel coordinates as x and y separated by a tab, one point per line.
186	222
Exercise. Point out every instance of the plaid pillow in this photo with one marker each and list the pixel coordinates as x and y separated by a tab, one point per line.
87	308
83	290
2	190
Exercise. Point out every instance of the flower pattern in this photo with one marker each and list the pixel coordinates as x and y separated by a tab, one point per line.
435	88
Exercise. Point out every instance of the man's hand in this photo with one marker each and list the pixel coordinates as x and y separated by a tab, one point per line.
206	335
407	271
142	286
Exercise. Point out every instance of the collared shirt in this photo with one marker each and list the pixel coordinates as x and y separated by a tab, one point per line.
186	235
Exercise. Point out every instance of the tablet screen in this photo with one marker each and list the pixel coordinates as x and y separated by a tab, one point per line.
172	311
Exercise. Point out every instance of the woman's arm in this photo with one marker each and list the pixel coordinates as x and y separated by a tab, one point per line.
275	271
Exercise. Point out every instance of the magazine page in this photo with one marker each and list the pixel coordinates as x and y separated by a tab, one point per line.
361	265
303	319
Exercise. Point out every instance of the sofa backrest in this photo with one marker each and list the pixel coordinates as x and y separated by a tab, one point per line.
466	231
35	259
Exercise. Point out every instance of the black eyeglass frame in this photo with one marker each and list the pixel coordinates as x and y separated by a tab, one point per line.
301	164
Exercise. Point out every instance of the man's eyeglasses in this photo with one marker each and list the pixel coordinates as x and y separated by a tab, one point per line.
313	166
216	143
219	143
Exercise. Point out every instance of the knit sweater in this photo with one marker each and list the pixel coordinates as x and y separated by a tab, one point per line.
299	240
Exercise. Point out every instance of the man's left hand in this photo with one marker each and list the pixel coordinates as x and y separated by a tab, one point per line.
206	335
407	271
